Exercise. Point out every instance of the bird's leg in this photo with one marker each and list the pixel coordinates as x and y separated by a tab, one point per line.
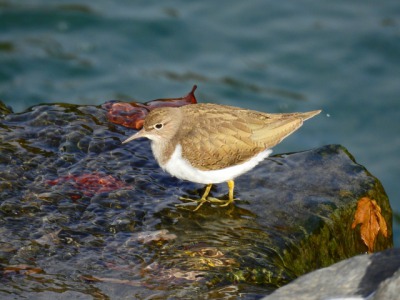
204	197
231	186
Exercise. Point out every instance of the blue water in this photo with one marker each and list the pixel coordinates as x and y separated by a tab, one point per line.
275	56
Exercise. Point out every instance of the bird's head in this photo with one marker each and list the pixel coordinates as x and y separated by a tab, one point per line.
160	125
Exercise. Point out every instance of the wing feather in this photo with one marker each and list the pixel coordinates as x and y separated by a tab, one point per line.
223	136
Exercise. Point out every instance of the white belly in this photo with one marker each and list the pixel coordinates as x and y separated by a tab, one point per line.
181	168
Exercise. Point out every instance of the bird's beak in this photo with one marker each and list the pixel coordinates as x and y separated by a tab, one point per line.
137	135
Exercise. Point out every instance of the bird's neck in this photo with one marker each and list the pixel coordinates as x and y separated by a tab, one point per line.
163	150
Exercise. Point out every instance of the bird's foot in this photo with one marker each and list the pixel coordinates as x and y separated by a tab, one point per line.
205	197
199	201
208	199
215	200
227	202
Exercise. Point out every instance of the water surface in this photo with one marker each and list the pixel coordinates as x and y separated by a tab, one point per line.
343	57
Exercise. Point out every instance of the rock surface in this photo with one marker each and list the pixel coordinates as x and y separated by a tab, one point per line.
375	276
74	202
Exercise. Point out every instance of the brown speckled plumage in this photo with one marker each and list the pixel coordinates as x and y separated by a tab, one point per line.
217	136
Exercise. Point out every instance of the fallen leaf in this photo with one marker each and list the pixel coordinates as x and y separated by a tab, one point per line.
49	239
132	114
22	269
110	280
146	237
368	214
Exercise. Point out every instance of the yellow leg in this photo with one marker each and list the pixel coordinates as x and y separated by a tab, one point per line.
204	197
231	186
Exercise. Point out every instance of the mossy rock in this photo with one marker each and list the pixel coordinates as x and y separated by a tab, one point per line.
75	204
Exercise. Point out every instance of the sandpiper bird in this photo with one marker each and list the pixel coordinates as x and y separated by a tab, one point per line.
210	143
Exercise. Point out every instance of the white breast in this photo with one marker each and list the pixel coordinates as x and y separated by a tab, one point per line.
181	168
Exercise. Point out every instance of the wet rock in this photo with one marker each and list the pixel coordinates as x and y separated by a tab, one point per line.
375	276
4	109
389	288
63	170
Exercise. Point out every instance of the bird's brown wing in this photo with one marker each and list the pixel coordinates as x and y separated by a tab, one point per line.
223	136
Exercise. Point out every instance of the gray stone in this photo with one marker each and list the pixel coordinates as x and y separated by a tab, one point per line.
375	276
389	289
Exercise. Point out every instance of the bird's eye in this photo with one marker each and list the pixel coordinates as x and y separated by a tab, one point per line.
158	126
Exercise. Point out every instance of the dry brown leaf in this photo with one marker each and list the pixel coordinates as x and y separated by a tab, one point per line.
110	280
368	213
22	269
